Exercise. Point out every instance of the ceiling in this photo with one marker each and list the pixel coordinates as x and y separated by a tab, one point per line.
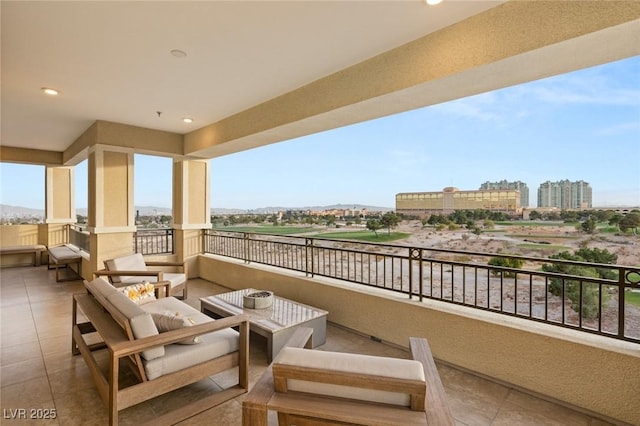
258	72
112	60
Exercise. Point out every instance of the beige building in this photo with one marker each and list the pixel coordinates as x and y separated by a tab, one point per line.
192	81
451	199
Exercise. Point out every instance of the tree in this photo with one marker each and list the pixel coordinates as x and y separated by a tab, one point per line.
437	219
588	226
459	217
553	216
615	220
535	215
572	288
604	215
630	221
374	225
569	216
389	220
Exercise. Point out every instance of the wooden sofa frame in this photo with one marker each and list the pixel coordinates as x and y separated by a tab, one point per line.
305	409
117	336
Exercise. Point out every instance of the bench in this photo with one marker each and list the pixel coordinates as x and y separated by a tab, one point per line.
161	361
63	256
36	250
319	387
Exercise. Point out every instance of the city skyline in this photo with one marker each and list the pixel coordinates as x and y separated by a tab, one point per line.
583	125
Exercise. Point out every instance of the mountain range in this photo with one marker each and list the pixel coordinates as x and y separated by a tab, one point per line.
18	211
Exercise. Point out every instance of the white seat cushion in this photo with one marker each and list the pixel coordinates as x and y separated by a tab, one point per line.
175	279
177	356
351	363
62	253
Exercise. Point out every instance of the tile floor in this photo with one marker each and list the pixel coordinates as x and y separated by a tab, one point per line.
38	371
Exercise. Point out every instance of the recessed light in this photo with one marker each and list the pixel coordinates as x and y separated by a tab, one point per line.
187	120
50	91
433	2
178	53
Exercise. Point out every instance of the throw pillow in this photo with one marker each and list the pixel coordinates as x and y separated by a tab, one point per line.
140	293
168	321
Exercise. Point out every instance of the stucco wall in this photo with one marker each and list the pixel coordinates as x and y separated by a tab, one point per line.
589	372
18	235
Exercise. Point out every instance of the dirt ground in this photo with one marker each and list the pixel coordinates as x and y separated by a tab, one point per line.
538	241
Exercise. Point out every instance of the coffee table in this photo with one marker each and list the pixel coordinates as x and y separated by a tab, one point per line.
276	323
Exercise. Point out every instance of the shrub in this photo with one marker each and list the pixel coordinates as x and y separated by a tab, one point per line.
506	262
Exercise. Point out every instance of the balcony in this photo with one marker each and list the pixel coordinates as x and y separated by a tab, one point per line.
518	348
388	293
38	370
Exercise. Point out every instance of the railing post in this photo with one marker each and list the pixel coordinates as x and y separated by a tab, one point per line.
308	243
415	254
246	251
421	277
622	275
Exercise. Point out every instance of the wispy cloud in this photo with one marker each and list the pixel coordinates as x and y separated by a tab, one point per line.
594	86
622	128
591	90
486	107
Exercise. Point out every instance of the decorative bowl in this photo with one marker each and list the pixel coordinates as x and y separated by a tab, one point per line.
259	299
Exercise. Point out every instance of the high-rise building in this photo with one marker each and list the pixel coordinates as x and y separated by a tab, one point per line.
503	184
451	199
565	194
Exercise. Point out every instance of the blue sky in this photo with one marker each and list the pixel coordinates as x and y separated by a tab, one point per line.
579	126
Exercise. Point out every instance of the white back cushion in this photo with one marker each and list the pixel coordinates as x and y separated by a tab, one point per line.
101	286
132	262
142	324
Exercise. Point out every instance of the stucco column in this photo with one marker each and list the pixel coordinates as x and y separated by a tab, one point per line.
111	220
59	206
191	208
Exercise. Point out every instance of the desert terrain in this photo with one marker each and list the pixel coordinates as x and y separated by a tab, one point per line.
534	241
527	298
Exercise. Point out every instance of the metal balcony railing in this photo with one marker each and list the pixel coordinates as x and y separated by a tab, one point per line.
153	241
596	305
79	237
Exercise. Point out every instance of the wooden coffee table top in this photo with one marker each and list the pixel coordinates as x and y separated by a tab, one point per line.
282	314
